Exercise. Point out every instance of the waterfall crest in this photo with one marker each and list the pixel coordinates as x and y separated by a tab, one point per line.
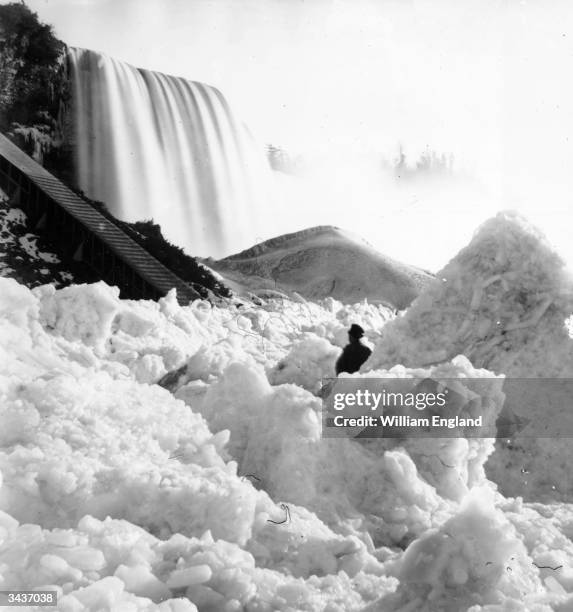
153	146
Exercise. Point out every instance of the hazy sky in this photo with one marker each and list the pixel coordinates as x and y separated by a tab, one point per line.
309	73
488	81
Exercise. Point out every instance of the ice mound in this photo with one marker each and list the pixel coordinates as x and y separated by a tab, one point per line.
83	440
452	465
223	497
474	558
339	480
114	565
502	302
80	312
307	363
544	530
265	332
295	341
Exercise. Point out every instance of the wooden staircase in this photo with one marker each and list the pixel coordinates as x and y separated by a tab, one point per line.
57	211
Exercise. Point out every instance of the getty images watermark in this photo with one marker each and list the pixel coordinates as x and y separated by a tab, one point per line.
495	407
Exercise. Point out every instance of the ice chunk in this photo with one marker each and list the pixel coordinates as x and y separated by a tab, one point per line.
101	594
16	302
307	363
140	581
197	574
54	564
82	312
475	555
84	558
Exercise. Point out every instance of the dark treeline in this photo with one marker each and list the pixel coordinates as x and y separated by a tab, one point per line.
429	163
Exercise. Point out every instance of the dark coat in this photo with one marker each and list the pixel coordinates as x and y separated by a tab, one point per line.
353	356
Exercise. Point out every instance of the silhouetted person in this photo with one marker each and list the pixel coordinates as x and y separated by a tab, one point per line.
355	353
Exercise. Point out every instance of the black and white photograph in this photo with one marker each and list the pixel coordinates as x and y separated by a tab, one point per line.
286	305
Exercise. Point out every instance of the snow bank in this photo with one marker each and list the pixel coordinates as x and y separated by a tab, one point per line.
222	496
113	564
452	465
82	440
476	555
295	341
401	493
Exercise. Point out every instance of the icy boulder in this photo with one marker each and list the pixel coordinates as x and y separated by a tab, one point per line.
452	464
475	557
276	441
115	448
207	364
307	363
152	339
266	423
17	304
142	339
80	312
502	302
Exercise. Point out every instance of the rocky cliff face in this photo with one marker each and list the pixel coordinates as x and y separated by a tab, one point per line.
34	87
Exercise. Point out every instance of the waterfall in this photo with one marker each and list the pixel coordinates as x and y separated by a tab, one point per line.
152	146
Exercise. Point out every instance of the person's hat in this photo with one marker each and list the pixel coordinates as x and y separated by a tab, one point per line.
356	331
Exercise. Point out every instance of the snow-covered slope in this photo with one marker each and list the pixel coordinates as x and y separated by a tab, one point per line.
324	261
219	494
119	495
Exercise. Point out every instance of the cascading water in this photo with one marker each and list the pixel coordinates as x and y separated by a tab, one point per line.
152	146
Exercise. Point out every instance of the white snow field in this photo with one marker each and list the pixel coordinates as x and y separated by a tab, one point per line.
219	494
